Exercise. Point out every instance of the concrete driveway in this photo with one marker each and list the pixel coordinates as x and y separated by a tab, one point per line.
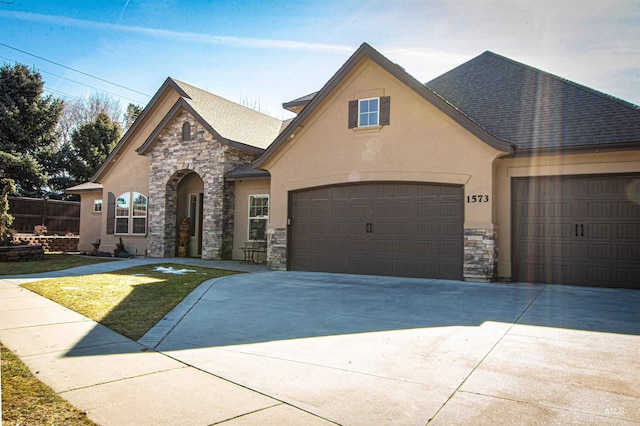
384	350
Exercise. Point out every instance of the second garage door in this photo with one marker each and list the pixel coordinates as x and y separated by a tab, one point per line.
398	229
578	230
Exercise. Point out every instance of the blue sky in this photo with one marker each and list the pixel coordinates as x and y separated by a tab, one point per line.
269	52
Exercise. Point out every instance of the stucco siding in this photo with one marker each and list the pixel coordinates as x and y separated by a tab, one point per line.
243	189
421	144
91	222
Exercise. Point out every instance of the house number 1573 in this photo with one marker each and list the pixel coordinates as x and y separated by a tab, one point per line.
477	198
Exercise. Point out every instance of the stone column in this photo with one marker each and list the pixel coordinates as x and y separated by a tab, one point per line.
480	254
277	249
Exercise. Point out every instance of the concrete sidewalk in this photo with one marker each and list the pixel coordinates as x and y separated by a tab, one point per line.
118	381
310	348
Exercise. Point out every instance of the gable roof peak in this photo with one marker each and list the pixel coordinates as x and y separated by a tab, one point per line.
365	50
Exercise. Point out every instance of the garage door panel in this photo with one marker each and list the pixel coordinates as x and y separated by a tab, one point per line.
385	225
597	209
559	230
449	248
628	231
580	230
628	209
561	210
600	251
531	229
428	268
428	247
628	252
450	209
530	210
629	276
428	209
447	269
428	228
599	230
408	248
599	275
602	186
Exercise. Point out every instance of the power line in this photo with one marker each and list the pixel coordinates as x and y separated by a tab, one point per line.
77	82
73	69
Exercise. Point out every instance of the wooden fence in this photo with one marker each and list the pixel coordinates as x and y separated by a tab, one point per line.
60	217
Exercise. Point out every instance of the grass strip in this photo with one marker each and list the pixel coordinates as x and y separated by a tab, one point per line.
129	301
51	262
28	401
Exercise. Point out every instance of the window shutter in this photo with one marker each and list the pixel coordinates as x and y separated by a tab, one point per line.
385	110
353	114
111	213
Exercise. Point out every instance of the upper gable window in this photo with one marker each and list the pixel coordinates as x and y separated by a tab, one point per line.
186	131
369	112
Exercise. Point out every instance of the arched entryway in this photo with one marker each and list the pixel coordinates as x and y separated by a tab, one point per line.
189	205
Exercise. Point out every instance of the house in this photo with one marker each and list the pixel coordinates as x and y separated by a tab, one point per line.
494	170
171	164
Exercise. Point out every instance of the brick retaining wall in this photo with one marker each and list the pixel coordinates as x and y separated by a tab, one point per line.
21	253
51	242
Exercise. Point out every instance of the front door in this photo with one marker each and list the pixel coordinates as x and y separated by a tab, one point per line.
195	224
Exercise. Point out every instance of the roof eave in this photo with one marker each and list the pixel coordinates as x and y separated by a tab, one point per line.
578	149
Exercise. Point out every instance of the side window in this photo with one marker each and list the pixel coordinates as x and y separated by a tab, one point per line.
258	216
186	131
131	214
369	112
97	206
123	203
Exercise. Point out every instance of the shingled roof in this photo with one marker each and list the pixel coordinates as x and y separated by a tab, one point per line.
230	120
534	109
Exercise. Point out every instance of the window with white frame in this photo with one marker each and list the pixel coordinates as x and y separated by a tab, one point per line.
131	214
97	206
258	216
368	111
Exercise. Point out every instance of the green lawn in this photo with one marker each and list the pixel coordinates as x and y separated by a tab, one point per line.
51	262
129	301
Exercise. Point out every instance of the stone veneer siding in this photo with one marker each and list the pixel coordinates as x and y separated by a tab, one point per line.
480	255
277	249
171	159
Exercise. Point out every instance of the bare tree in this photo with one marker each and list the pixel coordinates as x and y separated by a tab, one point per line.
80	112
254	104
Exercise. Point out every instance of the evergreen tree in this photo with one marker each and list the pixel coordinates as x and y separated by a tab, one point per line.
133	112
27	128
6	188
91	143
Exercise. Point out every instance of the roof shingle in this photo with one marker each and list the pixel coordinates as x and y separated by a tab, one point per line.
231	120
534	109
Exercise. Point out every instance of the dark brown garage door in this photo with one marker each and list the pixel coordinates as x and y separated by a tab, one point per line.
411	230
578	230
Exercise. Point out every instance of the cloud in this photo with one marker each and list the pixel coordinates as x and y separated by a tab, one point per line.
190	37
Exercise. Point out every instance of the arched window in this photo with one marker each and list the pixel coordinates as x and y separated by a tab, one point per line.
186	131
131	214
